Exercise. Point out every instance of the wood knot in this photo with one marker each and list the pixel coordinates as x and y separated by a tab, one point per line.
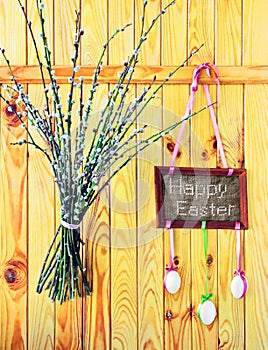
10	116
210	148
15	274
209	260
176	262
169	315
170	145
204	155
10	275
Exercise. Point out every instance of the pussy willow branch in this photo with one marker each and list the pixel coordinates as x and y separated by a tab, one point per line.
145	143
112	146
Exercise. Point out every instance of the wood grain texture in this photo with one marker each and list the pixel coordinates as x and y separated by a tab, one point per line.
255	36
228	32
96	233
231	75
69	324
95	24
64	29
256	242
13	215
174	37
12	21
13	234
48	13
121	15
230	114
201	29
69	316
41	227
150	55
150	240
231	311
124	285
178	332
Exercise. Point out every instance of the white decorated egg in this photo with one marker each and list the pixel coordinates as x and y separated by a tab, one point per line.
239	286
172	281
207	312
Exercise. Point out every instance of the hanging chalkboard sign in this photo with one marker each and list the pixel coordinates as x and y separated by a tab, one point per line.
189	196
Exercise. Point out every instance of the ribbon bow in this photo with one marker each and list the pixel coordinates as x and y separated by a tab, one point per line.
205	297
239	272
171	268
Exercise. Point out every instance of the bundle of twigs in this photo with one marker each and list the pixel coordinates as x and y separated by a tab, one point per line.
78	169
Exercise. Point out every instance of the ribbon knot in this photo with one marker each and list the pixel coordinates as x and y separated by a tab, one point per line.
171	268
208	68
239	272
206	297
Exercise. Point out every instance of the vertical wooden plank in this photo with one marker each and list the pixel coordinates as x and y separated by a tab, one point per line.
231	310
41	204
69	330
255	34
230	116
13	40
256	244
41	230
36	27
68	327
201	29
255	52
178	334
97	307
150	239
174	33
13	234
64	30
123	208
228	44
203	154
13	197
94	22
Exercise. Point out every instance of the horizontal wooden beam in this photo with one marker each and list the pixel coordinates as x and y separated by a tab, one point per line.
144	74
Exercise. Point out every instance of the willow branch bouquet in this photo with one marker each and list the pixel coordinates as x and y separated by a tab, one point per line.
78	170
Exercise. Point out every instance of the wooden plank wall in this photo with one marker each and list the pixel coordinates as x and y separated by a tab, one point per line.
124	250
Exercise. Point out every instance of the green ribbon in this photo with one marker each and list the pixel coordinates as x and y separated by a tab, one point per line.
205	238
206	297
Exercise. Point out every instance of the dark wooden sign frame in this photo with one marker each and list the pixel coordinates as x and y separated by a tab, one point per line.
162	216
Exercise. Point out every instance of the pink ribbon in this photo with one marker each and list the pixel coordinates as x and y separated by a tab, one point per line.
209	68
238	271
238	246
194	87
171	249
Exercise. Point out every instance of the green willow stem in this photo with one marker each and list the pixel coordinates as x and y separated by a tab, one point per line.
67	265
78	172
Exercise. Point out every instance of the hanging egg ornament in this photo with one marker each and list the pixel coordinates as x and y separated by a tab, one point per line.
172	281
207	312
239	286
